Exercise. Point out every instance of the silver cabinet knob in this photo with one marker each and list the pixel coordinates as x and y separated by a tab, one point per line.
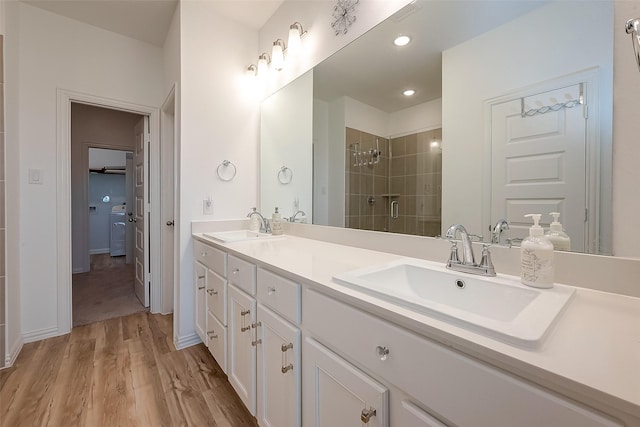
271	290
366	415
170	223
382	352
212	292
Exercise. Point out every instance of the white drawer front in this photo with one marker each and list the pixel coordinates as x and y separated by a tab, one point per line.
280	294
217	296
463	390
217	341
210	256
242	274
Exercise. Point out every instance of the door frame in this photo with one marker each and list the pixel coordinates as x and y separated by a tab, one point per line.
168	145
63	204
591	79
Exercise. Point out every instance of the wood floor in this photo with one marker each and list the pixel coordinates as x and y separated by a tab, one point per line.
119	372
106	292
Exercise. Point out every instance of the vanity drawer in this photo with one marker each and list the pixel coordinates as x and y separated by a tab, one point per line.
242	274
217	341
217	296
280	294
210	256
445	381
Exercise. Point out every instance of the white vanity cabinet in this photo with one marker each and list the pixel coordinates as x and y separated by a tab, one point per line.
278	336
336	393
459	389
211	300
200	285
241	355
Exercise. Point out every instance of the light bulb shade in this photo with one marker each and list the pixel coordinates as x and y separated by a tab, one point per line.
263	65
277	55
295	34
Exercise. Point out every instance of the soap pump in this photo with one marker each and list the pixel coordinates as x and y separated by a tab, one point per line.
560	240
536	257
276	223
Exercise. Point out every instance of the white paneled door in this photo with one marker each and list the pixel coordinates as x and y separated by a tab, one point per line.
538	162
141	210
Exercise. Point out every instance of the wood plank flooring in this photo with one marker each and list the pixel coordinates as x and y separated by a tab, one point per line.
119	372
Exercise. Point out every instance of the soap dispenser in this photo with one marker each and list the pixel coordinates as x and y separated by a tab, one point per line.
536	257
276	223
560	240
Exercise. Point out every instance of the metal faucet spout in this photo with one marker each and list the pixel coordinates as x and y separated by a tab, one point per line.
467	249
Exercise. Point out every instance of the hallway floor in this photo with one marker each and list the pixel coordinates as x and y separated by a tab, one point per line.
119	372
105	292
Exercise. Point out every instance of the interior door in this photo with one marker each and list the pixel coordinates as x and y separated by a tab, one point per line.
141	210
538	163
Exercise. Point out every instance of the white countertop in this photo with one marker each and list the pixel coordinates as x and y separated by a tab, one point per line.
591	354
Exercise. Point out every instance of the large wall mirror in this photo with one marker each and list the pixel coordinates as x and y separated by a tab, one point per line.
511	113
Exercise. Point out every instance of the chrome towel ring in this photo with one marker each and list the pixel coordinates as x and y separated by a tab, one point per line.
285	175
226	170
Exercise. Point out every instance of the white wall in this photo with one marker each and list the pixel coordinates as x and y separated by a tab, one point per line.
361	116
421	117
218	122
50	52
500	61
320	162
286	132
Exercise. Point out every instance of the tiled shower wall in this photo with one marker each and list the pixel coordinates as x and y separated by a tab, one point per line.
3	324
408	171
366	180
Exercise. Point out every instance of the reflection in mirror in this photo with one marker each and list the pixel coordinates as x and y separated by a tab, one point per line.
511	114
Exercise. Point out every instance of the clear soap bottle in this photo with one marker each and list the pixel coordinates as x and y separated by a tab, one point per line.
536	257
560	240
276	223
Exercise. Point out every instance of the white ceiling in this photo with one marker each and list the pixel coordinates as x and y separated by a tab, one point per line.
374	71
149	20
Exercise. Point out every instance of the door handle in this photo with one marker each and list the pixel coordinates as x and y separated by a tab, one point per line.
170	223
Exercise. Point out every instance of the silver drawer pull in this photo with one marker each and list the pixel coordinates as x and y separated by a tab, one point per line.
212	292
244	328
200	287
366	415
382	352
271	290
256	342
286	347
212	334
201	277
236	271
204	254
286	367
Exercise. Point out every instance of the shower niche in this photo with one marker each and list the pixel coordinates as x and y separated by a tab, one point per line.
394	184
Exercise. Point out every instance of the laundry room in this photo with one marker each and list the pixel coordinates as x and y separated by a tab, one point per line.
107	196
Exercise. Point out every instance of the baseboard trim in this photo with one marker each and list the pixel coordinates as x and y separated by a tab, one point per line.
41	334
99	251
12	355
186	341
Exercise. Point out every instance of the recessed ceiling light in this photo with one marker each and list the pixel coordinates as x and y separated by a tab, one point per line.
402	40
409	92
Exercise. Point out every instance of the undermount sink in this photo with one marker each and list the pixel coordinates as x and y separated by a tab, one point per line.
499	306
238	235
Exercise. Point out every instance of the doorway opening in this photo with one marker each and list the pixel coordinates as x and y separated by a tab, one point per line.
105	178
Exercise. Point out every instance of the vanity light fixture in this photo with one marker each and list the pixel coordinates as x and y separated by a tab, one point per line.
277	54
402	40
263	64
295	38
409	92
633	28
251	70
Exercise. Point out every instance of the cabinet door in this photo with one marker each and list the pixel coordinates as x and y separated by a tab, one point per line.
278	371
241	357
338	394
217	337
200	279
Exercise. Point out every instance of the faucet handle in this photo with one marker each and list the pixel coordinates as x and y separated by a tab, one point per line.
485	261
453	256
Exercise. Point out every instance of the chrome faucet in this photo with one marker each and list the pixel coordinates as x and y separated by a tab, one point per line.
501	226
293	217
264	223
468	263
